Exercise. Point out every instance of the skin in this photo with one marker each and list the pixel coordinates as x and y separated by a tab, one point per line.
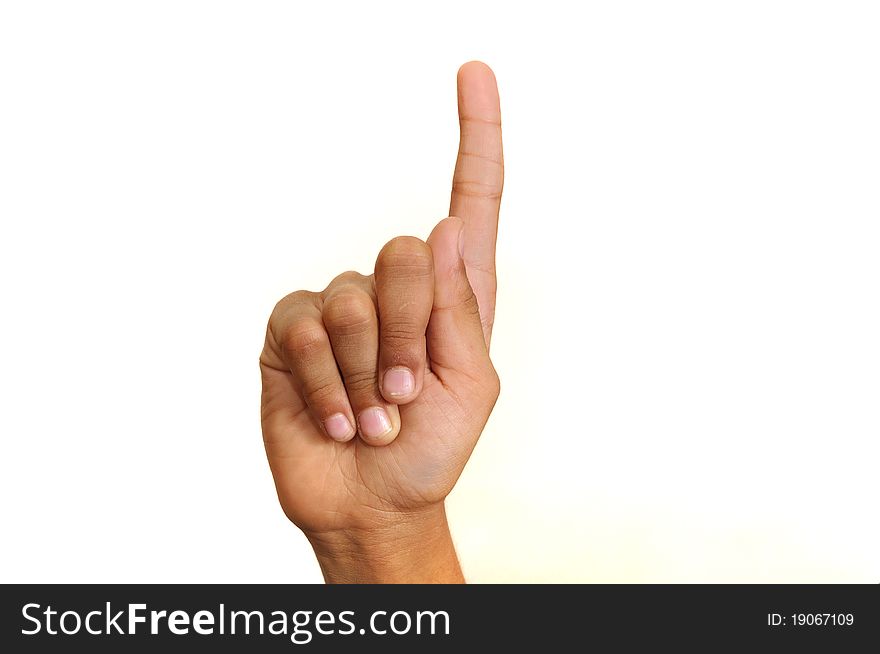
372	503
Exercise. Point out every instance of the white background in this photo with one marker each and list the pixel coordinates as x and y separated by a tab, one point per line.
688	318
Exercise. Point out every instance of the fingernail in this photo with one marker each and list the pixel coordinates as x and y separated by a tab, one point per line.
398	382
338	427
461	242
374	422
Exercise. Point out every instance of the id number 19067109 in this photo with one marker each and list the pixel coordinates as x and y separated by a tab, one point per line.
810	620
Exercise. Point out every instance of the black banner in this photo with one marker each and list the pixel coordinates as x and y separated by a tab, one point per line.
280	618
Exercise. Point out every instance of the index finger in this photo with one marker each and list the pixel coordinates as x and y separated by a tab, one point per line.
479	180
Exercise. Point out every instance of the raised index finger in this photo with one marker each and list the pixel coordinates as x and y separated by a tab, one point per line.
479	180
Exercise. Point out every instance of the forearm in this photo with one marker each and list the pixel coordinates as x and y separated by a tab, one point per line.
408	549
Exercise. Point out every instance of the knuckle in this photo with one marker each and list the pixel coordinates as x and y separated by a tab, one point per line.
320	392
477	189
361	382
401	333
347	277
289	301
303	338
405	256
469	305
494	384
487	384
349	312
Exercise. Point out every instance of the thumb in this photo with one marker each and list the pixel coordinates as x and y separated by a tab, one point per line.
454	336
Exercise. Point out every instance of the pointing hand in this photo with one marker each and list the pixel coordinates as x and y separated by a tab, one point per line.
376	389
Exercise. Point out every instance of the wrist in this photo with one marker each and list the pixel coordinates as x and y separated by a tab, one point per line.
397	547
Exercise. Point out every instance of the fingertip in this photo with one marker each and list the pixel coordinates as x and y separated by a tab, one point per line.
379	426
446	228
475	67
447	245
399	385
478	93
339	428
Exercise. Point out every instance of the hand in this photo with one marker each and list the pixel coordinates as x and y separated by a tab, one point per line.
376	389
